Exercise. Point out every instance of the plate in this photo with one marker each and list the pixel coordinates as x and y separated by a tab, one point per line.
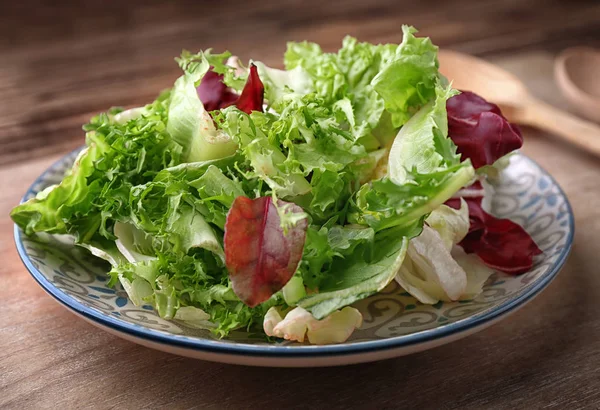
395	324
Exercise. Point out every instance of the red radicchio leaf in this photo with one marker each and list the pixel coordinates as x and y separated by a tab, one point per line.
214	94
260	258
479	129
500	243
253	94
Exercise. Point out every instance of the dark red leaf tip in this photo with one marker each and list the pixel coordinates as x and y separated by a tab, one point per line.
215	95
253	94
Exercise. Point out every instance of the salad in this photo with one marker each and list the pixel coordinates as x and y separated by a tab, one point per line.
249	197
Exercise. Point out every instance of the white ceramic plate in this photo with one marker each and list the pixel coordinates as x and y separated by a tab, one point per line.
395	323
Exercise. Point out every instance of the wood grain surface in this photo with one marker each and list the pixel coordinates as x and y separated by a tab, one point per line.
61	64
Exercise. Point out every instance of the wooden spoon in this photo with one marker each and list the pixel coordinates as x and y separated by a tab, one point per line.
517	104
577	72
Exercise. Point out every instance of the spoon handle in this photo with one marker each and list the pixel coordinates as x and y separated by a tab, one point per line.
567	126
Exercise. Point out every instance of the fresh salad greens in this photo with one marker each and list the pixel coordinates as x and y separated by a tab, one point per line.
258	198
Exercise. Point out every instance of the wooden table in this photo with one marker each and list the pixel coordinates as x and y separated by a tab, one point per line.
59	65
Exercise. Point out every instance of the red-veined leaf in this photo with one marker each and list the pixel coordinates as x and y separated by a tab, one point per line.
260	258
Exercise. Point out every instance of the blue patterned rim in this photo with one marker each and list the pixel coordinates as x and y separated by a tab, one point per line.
242	349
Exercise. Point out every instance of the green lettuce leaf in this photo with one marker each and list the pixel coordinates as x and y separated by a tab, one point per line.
134	244
95	191
46	212
281	85
424	172
325	76
194	317
316	257
294	290
383	204
409	80
355	278
267	159
105	249
364	80
326	244
213	185
342	81
343	240
189	123
422	146
189	230
165	210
